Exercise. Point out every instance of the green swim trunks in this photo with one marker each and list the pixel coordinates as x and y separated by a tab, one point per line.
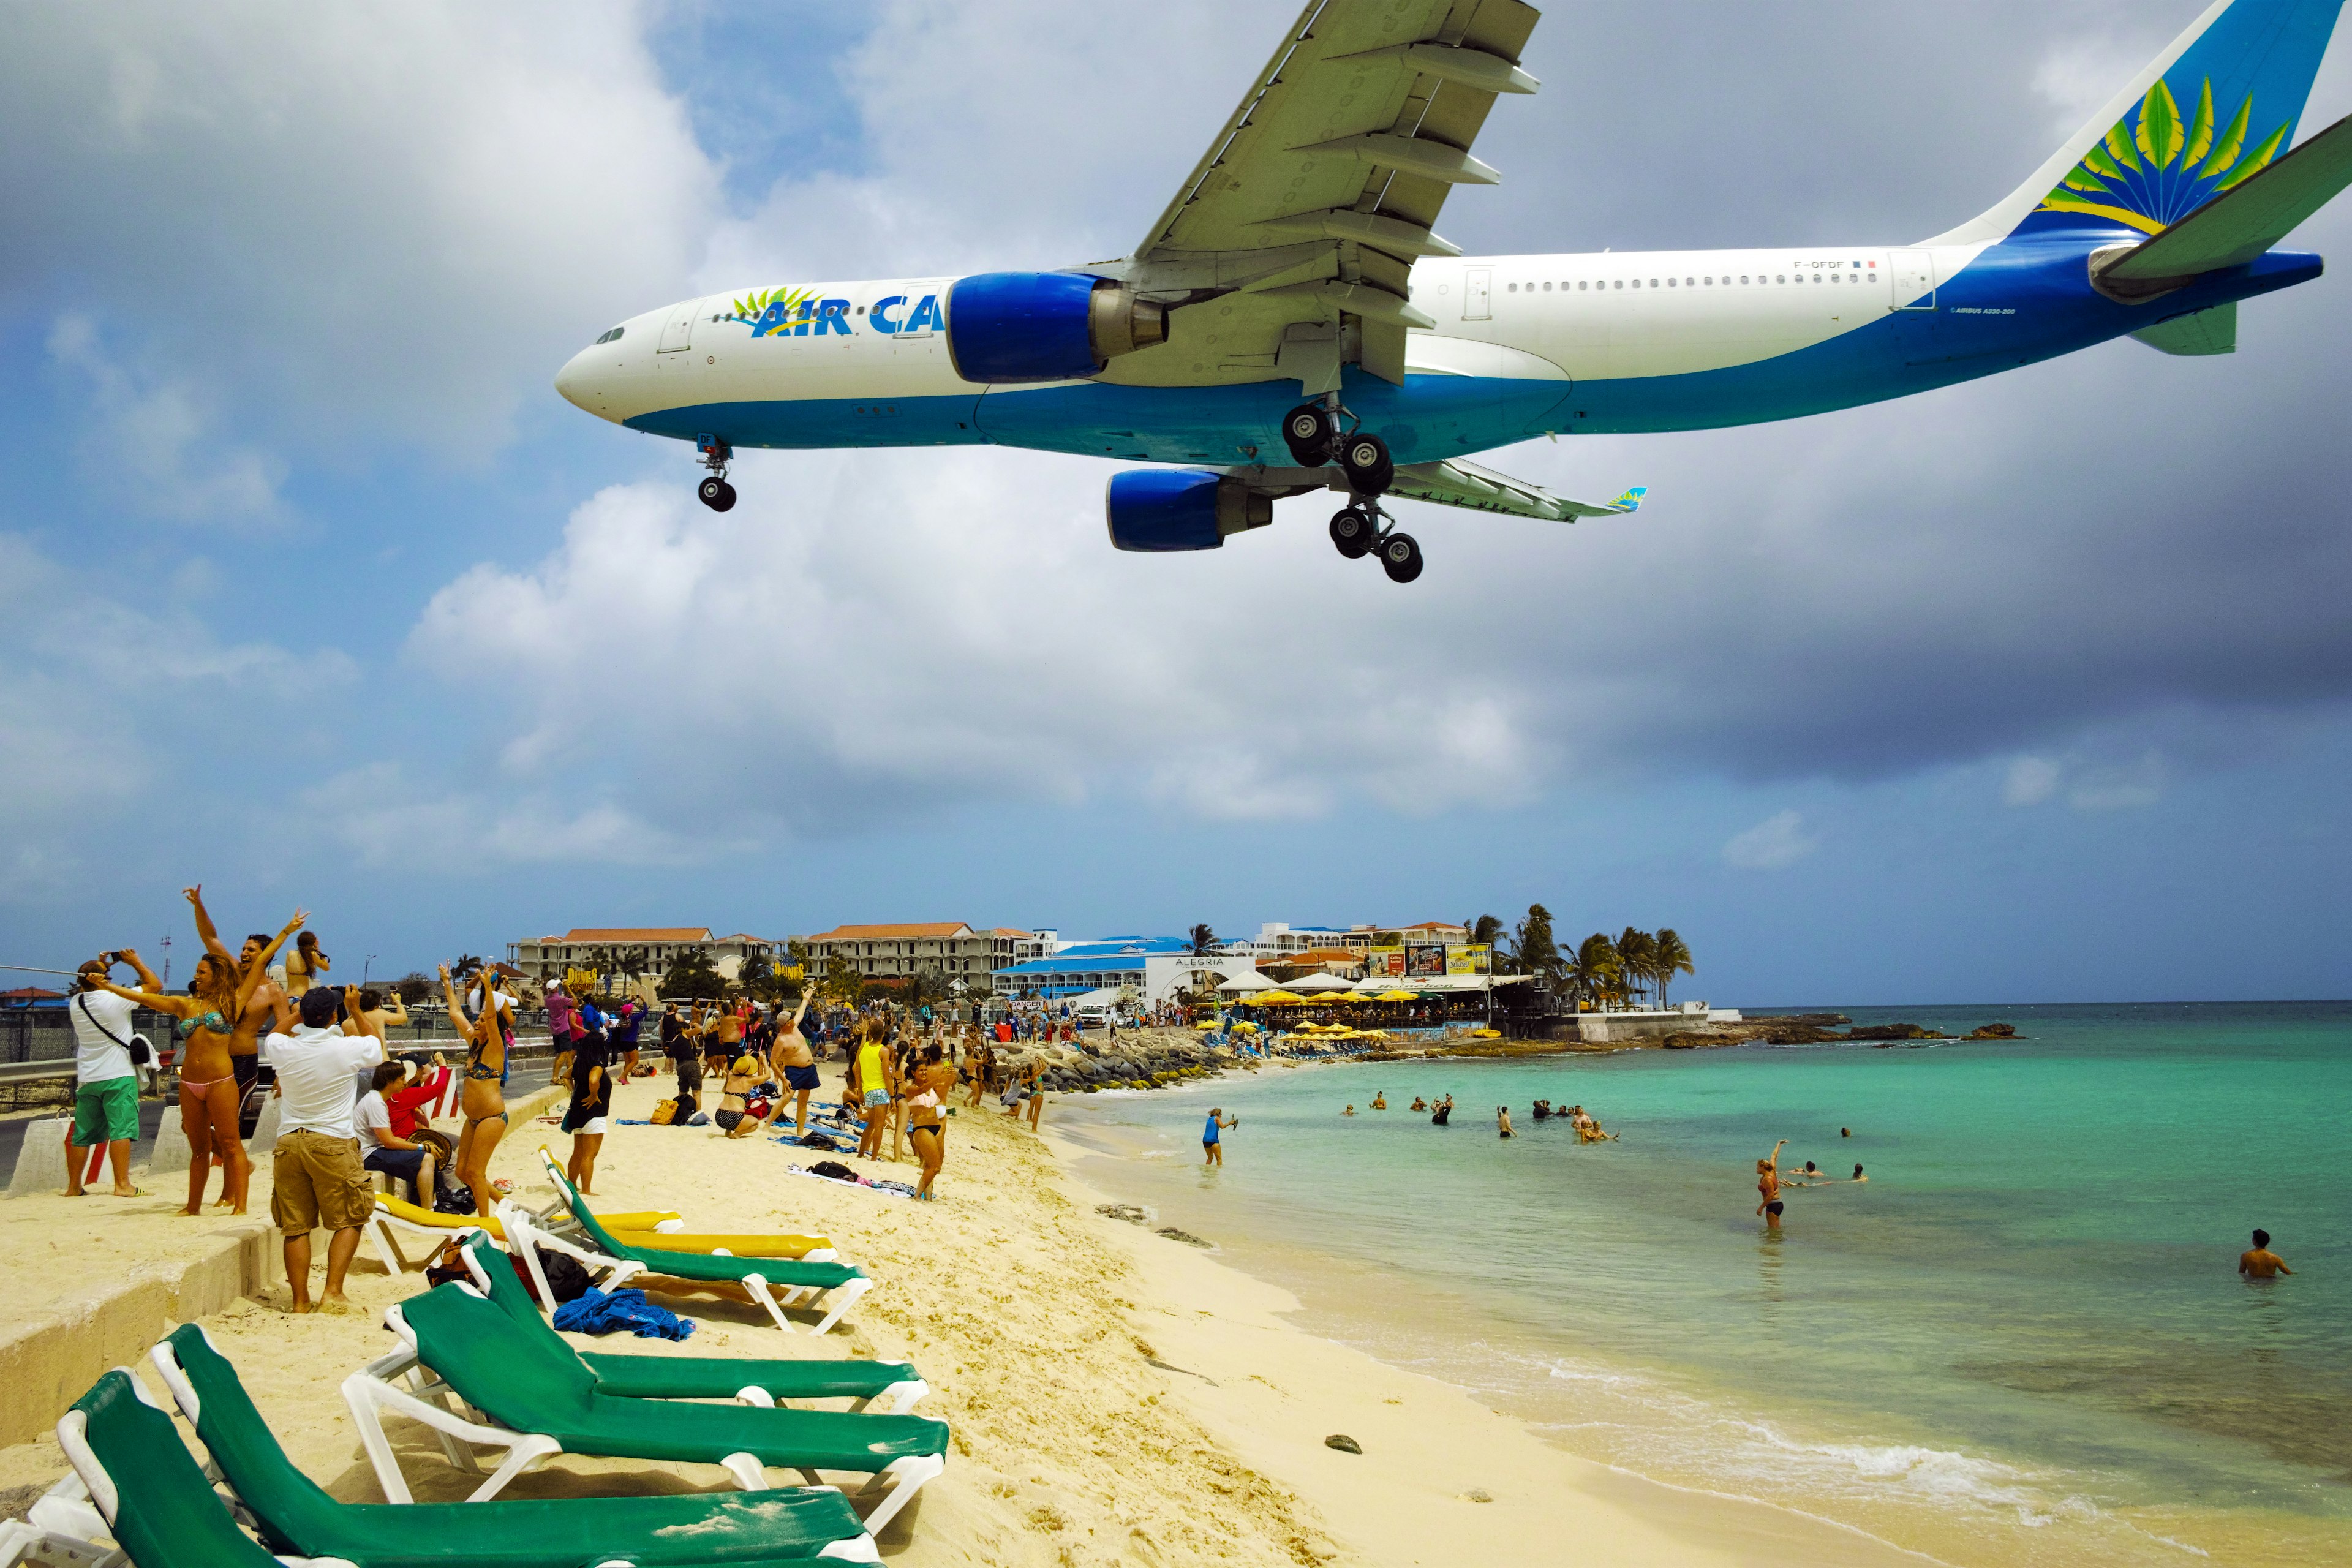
106	1110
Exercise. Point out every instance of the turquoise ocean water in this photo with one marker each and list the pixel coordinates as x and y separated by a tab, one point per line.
2022	1340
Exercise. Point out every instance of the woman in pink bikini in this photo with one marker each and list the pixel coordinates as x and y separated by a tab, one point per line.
209	1100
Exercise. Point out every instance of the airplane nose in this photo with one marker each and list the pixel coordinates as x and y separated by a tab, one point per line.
572	382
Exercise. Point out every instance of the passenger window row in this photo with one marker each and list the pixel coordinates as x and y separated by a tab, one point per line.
1726	281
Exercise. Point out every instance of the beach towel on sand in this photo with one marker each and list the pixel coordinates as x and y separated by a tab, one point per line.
602	1312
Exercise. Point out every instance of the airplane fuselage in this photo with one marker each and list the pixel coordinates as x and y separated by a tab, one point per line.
1523	346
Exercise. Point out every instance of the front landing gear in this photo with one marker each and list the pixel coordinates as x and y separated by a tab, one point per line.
715	492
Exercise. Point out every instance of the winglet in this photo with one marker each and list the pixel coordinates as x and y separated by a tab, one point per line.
1631	502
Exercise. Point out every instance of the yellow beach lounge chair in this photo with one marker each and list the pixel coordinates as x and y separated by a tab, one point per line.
568	1206
396	1217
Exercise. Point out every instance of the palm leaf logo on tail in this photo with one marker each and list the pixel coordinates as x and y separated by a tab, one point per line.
2157	166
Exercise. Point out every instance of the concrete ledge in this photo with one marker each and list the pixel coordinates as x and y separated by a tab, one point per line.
47	1363
50	1357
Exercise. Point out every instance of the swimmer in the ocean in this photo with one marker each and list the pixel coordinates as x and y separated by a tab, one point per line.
1419	1103
2261	1263
1381	1099
1503	1119
1349	1112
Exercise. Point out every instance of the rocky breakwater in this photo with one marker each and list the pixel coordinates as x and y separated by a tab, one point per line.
1819	1030
1152	1060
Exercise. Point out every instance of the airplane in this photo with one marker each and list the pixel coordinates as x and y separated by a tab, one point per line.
1293	322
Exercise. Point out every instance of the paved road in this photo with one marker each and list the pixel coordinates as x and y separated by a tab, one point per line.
531	1072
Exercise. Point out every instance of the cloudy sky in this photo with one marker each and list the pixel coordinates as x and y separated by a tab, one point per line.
2032	689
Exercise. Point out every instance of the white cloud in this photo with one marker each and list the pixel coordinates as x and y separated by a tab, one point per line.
1778	841
103	705
2031	781
388	223
156	444
955	627
2123	787
390	822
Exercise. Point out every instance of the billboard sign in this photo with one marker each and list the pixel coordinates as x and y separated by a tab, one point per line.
1470	958
1421	959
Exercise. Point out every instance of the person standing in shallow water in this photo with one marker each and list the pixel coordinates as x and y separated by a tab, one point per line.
1768	1182
1212	1144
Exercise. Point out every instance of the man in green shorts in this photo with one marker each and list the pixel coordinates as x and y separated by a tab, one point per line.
106	1084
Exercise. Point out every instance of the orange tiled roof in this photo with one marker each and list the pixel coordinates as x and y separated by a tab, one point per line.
636	934
1321	955
892	933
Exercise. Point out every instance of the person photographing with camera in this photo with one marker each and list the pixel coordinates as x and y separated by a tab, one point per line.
106	1079
316	1175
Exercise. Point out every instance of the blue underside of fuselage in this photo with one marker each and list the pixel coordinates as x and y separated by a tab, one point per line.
2026	299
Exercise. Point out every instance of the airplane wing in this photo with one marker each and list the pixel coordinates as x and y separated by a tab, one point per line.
1331	172
1458	483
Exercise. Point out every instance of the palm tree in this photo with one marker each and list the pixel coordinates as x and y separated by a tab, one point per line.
1203	940
1532	948
1482	932
1637	951
1594	968
1672	957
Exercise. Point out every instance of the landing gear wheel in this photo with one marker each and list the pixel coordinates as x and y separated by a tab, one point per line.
1352	532
1365	460
717	493
1309	430
1399	558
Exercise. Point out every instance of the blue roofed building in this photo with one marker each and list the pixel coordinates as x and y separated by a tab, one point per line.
1149	966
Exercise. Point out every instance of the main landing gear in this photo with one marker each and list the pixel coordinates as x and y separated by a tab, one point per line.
1317	439
715	492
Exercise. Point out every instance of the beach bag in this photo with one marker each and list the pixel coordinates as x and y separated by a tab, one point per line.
665	1111
451	1196
833	1170
565	1277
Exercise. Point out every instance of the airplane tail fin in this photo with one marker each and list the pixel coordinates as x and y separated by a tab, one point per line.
2212	112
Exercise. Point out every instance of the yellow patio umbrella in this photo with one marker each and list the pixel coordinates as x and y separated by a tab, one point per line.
1245	1028
1276	999
1398	996
1212	1024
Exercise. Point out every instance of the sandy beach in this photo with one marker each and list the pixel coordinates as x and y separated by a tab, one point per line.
1116	1396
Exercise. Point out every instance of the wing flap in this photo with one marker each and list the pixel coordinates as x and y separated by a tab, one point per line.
1456	482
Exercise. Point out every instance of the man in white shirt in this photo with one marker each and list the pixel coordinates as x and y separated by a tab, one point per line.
316	1177
106	1085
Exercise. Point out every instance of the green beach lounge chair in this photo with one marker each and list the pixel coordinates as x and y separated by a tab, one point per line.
293	1515
774	1283
161	1510
885	1387
533	1399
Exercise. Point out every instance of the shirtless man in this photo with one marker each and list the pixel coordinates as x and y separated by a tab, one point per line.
1768	1182
267	1010
722	1041
793	1062
2261	1263
1381	1099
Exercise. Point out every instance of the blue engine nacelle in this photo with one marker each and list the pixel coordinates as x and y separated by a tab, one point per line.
1162	510
1045	326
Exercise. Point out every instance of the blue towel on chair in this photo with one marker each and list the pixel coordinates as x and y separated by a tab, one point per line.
601	1312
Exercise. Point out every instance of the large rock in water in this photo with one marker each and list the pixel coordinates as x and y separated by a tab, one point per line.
1894	1032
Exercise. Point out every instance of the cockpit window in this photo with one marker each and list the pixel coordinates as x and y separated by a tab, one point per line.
612	336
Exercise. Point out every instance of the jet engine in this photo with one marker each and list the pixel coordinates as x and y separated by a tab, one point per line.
1164	509
1045	326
